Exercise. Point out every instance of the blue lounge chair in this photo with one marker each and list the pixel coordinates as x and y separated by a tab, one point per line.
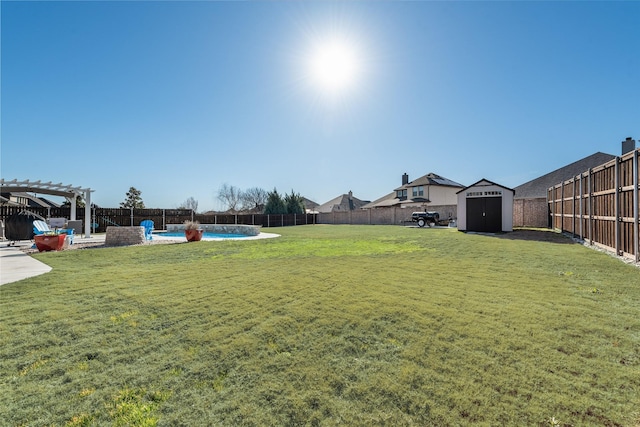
148	228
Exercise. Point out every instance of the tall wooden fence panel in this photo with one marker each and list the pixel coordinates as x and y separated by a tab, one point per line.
382	216
601	206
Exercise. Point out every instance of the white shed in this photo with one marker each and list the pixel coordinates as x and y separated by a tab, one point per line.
485	206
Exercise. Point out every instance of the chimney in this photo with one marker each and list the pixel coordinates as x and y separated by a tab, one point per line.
405	179
628	145
350	194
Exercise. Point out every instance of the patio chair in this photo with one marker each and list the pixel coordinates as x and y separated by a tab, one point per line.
41	227
148	228
70	232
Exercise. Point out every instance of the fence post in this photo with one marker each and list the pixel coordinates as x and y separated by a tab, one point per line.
550	208
590	184
562	207
164	219
132	216
573	208
636	201
580	215
616	205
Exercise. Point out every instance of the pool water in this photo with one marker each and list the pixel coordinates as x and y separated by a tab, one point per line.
205	235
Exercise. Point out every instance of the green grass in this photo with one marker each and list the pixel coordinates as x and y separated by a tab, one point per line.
327	325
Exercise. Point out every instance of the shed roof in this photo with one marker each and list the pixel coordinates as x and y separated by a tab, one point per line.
485	182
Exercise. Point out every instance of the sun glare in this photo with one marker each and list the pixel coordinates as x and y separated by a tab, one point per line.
334	66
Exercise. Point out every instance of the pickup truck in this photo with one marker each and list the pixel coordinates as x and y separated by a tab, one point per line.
425	218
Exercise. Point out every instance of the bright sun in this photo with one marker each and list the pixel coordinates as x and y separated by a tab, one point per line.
334	66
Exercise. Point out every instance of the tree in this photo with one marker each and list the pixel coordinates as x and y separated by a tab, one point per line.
230	197
275	204
190	203
133	200
254	199
294	203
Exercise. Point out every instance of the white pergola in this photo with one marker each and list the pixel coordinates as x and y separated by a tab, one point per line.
68	191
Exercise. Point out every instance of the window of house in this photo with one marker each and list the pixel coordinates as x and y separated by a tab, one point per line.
401	193
418	191
493	193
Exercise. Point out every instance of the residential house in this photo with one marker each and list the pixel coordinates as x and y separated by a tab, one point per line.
429	192
342	203
27	200
309	205
530	200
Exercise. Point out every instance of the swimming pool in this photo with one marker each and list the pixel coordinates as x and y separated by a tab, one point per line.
205	235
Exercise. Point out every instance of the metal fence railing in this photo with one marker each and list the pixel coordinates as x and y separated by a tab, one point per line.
104	217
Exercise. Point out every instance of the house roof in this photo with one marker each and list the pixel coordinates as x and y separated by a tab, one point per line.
537	188
430	179
384	201
342	203
485	182
32	200
309	204
4	201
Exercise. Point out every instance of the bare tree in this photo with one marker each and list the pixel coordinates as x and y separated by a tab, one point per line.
230	197
254	199
190	203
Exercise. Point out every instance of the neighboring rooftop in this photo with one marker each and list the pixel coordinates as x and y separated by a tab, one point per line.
537	188
27	200
429	179
309	205
342	203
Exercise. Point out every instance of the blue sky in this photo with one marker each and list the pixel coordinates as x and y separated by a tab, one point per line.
179	98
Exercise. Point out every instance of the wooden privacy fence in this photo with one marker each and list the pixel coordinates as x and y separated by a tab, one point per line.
104	217
601	206
382	216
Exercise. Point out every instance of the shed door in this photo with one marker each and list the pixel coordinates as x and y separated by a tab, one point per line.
484	214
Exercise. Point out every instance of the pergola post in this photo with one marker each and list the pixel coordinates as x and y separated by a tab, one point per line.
73	208
87	213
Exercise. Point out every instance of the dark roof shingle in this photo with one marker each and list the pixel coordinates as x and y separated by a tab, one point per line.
538	187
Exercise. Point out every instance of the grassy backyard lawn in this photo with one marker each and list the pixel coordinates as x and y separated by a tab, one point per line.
326	325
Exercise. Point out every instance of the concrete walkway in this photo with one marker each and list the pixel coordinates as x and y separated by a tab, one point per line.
16	265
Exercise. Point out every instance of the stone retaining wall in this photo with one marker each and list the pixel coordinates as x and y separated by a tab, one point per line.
124	236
